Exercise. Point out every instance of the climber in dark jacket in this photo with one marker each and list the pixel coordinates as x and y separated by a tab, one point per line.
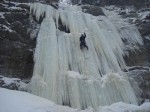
82	41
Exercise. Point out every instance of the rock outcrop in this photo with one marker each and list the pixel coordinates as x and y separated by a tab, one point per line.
139	61
16	47
136	3
13	83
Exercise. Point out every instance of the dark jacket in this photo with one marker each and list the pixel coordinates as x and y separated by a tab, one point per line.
82	38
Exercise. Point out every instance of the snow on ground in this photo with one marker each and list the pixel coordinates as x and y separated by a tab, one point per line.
12	6
15	8
122	107
15	3
2	15
147	37
5	28
17	101
10	82
144	15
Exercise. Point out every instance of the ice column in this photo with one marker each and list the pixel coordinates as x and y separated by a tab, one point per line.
79	78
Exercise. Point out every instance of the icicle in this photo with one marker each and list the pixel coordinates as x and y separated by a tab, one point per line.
79	78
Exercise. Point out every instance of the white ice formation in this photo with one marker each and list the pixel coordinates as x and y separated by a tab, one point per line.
80	78
65	2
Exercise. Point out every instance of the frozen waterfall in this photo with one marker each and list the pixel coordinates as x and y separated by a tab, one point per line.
80	78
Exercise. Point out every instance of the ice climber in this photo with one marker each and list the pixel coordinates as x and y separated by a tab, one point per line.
82	41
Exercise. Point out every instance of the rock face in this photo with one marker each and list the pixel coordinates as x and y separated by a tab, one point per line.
22	1
137	3
140	61
16	47
94	10
141	76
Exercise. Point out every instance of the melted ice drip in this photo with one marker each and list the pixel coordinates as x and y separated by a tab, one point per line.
80	78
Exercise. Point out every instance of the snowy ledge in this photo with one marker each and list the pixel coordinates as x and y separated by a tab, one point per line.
17	101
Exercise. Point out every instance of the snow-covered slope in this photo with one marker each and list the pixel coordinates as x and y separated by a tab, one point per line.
17	101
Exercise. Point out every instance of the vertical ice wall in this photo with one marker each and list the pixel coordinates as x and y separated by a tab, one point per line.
80	78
